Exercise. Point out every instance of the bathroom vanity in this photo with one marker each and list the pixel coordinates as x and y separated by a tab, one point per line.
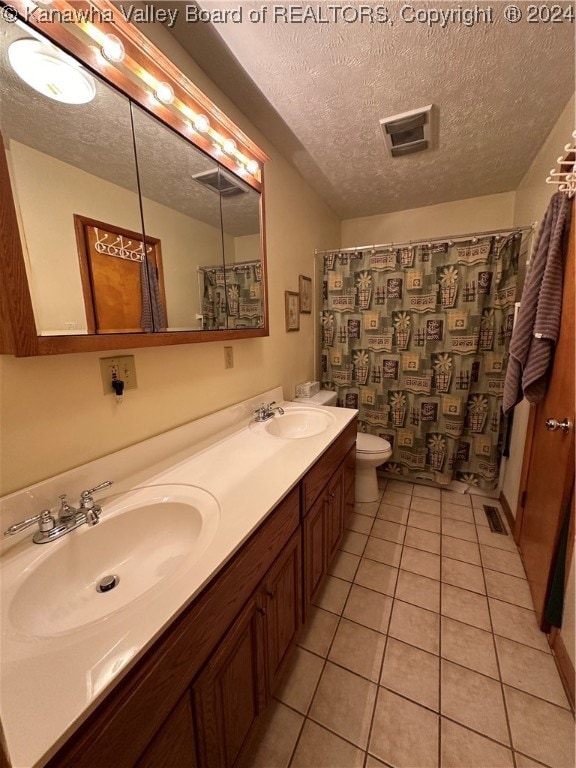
193	689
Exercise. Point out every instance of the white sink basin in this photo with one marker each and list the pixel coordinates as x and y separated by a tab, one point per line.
143	539
300	422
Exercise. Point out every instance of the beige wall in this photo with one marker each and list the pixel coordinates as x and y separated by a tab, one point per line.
477	214
246	248
568	631
53	413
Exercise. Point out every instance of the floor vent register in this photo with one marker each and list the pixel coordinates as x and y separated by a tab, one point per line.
495	520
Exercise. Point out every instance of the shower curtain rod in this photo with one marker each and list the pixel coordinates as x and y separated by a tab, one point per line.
449	238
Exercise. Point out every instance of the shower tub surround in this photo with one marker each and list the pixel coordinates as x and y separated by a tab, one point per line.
51	684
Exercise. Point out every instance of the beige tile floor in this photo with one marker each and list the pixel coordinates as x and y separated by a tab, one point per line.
422	650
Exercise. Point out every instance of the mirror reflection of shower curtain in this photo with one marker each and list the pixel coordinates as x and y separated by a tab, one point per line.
417	339
232	297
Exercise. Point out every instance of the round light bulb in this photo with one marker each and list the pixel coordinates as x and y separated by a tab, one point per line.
474	240
50	72
229	146
113	49
165	93
252	167
201	123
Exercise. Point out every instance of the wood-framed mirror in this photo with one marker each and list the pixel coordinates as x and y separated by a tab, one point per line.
130	219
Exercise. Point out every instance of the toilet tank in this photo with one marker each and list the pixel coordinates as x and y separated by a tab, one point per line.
324	397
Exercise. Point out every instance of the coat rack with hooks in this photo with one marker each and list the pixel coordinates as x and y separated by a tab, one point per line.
565	176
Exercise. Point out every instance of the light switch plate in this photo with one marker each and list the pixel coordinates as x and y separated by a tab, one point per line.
228	357
119	367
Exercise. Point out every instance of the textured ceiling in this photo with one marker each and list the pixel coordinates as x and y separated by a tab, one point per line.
318	90
97	138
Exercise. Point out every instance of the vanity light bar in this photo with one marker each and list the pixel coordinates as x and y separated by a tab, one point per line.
126	58
164	93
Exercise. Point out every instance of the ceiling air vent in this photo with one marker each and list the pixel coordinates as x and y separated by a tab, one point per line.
409	132
220	182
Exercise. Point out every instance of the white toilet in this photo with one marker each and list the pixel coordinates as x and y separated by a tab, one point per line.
371	451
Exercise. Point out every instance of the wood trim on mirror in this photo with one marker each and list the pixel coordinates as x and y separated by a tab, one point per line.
18	332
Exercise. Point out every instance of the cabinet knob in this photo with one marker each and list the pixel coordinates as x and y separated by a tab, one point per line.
261	611
271	594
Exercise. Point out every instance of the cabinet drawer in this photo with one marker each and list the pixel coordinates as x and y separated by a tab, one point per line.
315	480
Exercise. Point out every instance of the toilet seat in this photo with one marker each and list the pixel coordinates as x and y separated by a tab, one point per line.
366	443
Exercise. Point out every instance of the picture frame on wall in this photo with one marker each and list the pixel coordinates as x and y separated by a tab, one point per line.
305	291
292	310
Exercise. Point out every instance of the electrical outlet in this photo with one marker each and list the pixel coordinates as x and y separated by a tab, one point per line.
228	357
113	368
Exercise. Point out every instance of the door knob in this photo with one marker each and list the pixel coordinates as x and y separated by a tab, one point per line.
554	424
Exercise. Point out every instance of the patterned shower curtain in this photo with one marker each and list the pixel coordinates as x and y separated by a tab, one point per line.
417	339
232	296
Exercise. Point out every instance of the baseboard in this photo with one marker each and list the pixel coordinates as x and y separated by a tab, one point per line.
508	512
564	664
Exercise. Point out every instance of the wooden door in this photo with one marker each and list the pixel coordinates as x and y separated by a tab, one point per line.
548	470
174	745
335	513
230	694
111	276
314	548
283	598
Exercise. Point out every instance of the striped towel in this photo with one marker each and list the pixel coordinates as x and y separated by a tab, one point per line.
153	315
538	325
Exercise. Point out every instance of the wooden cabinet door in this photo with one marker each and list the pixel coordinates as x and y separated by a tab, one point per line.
334	512
349	482
314	548
174	745
283	598
230	694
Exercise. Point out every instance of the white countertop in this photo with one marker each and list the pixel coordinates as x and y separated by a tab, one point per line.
50	684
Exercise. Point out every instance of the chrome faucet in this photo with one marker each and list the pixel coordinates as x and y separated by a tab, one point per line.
69	518
266	411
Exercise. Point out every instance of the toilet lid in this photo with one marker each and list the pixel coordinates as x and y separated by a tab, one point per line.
366	443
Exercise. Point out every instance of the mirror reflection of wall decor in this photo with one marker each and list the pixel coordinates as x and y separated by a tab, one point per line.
122	279
193	180
292	310
305	291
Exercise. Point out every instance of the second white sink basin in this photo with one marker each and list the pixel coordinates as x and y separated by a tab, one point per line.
300	422
143	539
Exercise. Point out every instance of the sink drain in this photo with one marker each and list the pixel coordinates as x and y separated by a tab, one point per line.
107	583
